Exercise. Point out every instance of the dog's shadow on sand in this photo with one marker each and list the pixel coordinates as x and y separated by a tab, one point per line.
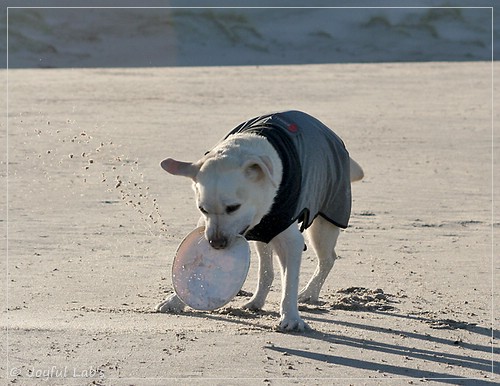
248	319
408	351
454	353
266	321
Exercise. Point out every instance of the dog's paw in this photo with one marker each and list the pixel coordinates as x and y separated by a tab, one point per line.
253	305
295	324
309	295
307	298
172	304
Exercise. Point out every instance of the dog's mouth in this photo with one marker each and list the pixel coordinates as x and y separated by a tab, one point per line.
224	241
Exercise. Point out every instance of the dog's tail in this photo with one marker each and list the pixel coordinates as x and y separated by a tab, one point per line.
357	173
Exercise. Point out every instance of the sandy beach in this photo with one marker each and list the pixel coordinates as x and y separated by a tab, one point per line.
94	222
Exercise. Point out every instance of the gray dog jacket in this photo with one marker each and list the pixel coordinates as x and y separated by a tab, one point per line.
316	173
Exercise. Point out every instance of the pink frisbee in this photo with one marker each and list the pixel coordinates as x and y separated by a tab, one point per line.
205	278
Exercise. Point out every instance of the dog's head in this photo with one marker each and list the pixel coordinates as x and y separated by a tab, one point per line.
233	189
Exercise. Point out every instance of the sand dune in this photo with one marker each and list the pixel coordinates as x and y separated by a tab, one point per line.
124	37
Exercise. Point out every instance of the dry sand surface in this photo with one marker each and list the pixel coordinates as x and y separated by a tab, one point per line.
93	225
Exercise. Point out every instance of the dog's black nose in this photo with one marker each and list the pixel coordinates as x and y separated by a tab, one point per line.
219	243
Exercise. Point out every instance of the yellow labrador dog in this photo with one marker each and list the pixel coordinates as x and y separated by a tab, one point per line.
271	178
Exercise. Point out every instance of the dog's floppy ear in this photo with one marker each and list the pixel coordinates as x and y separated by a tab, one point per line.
179	168
258	168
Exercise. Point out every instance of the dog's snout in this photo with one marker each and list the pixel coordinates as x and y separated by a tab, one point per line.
218	243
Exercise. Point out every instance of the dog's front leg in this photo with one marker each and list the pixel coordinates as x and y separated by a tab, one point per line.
172	304
288	245
265	279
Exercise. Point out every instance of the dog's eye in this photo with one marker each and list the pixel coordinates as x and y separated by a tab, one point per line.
232	208
202	210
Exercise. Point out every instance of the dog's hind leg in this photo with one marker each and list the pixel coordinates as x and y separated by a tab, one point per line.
265	278
323	236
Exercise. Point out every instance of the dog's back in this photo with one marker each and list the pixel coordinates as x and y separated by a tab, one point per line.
316	167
